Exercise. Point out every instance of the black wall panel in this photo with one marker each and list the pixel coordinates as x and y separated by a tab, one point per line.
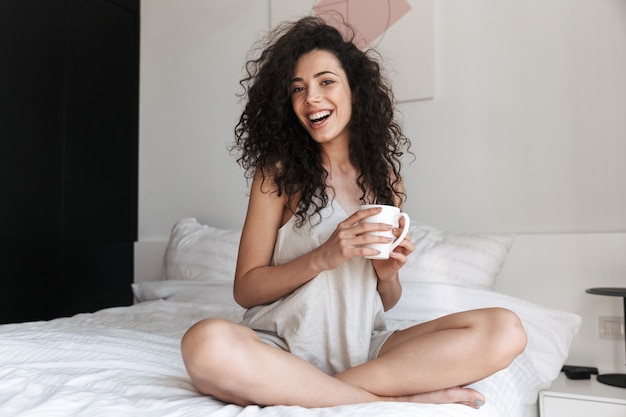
69	83
32	35
101	138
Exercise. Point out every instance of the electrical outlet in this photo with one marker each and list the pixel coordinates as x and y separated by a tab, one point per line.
611	327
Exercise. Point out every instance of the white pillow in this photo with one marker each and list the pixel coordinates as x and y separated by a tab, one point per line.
470	260
215	295
198	252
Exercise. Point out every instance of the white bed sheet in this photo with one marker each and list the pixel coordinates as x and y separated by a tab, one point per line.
126	362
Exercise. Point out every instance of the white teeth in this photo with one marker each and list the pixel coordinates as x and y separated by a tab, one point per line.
319	115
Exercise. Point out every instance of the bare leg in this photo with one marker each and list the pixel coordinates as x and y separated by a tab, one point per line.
229	361
425	363
436	358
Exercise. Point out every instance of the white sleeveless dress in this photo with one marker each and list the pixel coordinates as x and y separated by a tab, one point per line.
335	321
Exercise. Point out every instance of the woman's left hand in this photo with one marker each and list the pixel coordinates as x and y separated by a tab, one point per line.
387	269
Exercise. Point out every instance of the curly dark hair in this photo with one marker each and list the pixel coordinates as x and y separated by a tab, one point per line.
271	140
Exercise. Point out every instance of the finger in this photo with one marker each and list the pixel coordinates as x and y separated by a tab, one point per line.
398	256
397	232
367	239
360	215
366	227
406	246
347	228
360	235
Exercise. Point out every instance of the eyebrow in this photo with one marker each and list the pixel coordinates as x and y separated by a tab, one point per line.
316	75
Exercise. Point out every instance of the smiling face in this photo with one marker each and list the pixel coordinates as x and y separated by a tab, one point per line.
321	96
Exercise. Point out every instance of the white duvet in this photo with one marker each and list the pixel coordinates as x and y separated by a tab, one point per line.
126	362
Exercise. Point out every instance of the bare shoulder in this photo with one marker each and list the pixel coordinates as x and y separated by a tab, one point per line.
266	204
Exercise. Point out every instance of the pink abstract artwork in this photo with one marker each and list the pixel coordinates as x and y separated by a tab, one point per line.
370	18
402	31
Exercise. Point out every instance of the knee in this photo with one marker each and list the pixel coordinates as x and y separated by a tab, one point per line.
507	334
206	347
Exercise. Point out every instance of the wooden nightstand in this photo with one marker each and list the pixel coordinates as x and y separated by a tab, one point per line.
582	398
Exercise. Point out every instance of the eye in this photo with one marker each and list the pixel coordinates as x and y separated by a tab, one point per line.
296	89
328	82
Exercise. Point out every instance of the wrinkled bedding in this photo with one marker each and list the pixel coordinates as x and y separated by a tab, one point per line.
126	362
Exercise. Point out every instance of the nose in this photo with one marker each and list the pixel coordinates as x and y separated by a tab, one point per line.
313	95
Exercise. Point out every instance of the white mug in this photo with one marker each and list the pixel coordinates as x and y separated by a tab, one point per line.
388	215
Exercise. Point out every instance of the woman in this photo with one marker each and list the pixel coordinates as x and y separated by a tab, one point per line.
318	138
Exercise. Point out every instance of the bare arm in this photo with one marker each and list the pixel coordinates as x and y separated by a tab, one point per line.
389	286
390	292
256	281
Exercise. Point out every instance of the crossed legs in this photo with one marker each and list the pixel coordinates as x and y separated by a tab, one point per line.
429	362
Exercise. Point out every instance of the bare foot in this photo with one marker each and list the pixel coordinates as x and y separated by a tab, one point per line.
455	395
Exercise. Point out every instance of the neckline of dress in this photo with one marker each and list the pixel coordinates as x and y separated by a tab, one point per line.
333	204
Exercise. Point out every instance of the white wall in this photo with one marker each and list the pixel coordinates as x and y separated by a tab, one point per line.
526	133
192	55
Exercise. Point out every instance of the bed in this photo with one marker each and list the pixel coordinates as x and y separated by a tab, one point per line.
126	361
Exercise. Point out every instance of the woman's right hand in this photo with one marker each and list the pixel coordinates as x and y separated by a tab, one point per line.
349	238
